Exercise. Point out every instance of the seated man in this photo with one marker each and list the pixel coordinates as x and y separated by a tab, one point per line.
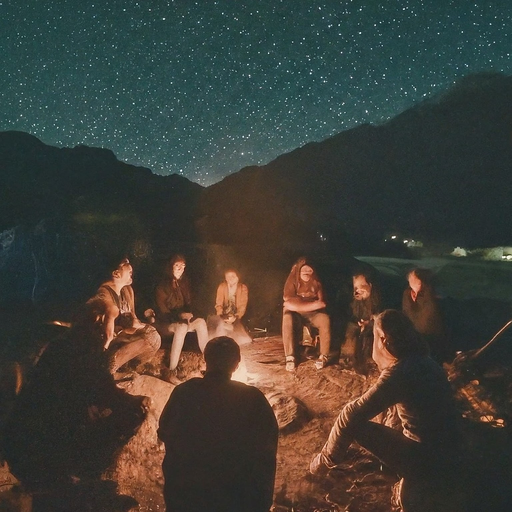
174	311
125	337
230	306
304	301
359	334
425	453
220	440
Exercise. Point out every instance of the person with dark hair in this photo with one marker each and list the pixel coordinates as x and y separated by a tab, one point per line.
230	306
125	337
421	306
304	303
220	440
425	452
174	311
359	333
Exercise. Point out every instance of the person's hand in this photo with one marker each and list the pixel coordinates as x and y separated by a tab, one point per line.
317	465
186	316
363	323
229	319
137	324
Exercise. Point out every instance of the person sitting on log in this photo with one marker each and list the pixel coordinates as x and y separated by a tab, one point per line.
174	312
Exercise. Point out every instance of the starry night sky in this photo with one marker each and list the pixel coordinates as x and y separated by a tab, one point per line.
204	88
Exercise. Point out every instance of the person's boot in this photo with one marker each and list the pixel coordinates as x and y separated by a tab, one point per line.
171	376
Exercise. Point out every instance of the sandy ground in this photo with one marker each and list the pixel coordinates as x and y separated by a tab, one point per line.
360	484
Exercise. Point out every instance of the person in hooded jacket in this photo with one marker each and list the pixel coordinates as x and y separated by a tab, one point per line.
304	302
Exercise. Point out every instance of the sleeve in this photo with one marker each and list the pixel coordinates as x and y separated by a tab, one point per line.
320	291
264	449
241	300
219	299
385	393
289	291
161	299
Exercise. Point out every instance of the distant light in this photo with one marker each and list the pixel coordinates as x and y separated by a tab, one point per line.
393	237
406	241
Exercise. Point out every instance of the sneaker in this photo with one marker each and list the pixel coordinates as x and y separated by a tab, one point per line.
321	362
290	363
171	376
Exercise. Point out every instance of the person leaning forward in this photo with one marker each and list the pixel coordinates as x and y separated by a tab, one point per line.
426	454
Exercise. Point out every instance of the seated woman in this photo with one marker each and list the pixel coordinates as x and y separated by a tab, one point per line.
304	302
230	306
174	311
421	306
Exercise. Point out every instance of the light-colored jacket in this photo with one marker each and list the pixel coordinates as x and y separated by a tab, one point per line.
241	298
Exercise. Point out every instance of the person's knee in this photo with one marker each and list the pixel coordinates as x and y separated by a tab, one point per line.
199	323
180	329
153	339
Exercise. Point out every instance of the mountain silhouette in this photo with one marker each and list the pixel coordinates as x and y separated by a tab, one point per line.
439	172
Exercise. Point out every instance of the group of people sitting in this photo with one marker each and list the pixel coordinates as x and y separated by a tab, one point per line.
305	306
305	312
126	337
397	342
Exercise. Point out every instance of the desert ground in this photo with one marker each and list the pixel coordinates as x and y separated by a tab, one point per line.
306	403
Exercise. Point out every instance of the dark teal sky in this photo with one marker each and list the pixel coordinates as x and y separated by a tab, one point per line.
205	88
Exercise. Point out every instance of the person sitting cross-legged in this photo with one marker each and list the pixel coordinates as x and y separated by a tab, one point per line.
230	306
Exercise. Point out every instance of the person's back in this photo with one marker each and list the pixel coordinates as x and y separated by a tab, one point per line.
221	440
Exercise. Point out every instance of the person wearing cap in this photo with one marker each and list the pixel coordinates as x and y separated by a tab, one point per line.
220	440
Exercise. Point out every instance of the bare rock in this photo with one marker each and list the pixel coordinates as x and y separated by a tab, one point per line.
138	468
290	412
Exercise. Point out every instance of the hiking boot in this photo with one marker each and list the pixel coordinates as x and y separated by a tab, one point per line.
290	363
171	376
321	362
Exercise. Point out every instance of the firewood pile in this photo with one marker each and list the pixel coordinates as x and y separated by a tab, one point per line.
482	382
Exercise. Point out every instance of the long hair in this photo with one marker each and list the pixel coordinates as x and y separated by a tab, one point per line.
401	338
294	275
375	298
